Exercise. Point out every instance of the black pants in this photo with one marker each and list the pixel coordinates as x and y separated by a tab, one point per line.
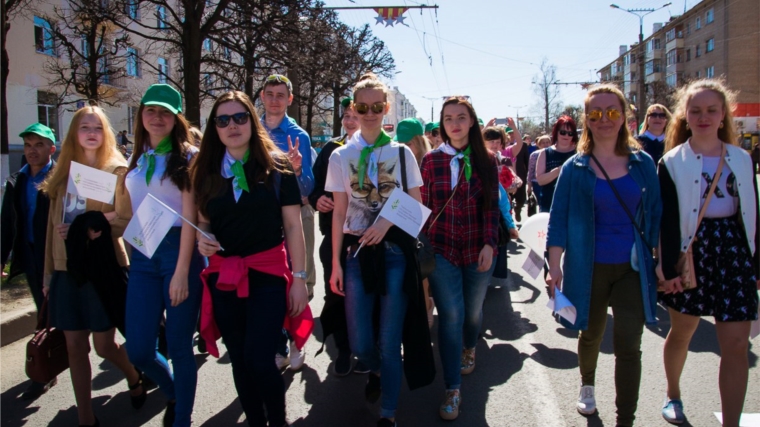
251	328
520	197
340	334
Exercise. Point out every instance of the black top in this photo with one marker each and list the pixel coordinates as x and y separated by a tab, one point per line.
320	177
554	159
254	223
670	225
521	162
652	147
27	258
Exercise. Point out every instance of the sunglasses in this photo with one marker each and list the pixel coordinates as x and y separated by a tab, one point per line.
566	133
612	114
224	120
376	108
435	133
658	115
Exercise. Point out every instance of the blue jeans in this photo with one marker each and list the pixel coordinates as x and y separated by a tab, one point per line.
458	293
361	335
147	298
251	329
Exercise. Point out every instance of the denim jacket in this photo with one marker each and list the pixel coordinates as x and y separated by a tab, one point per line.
571	227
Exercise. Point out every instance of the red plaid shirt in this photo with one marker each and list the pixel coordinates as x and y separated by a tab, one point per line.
463	228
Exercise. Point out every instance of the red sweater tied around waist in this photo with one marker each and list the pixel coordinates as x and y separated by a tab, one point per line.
233	276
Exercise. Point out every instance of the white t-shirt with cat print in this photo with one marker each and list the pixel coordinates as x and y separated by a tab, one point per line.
364	204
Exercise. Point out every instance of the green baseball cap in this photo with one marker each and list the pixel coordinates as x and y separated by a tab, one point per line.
480	122
163	96
346	102
408	129
508	129
39	129
436	125
429	127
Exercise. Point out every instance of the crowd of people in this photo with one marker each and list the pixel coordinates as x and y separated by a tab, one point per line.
668	217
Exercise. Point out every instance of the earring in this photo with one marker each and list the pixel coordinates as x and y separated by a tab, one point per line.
721	125
687	125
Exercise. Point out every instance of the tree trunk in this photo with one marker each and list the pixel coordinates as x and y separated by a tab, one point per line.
192	65
337	125
4	140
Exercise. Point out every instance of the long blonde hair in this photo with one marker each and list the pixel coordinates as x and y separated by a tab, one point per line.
71	150
678	130
420	145
650	110
625	142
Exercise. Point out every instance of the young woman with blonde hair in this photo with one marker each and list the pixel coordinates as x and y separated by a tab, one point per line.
605	217
652	137
80	310
702	140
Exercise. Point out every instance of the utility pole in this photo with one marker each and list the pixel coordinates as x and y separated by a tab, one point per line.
517	107
641	54
432	107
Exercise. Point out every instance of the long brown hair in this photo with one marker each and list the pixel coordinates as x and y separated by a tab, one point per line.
207	171
482	160
625	142
177	165
678	130
108	153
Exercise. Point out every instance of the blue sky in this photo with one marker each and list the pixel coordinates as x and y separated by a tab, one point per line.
491	49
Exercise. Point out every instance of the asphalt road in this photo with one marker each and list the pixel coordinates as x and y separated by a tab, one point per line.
526	375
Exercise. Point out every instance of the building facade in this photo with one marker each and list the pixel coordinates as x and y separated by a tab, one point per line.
715	38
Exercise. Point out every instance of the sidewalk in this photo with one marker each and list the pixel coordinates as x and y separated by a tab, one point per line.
18	323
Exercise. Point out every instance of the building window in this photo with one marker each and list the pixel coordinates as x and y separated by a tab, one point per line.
132	9
698	24
710	16
698	74
688	55
653	44
710	45
672	80
133	63
44	41
672	56
698	51
131	116
710	72
688	29
47	110
207	44
163	70
161	18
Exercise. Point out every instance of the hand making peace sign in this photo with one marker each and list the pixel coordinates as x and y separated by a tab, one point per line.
294	155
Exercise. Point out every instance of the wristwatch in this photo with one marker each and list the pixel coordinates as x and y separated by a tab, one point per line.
300	275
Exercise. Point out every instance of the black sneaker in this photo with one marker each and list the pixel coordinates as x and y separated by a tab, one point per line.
372	390
342	365
360	368
36	389
385	422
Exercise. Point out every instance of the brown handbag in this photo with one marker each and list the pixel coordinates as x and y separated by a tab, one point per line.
685	263
46	353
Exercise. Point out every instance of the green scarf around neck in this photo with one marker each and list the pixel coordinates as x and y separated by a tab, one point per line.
382	140
163	147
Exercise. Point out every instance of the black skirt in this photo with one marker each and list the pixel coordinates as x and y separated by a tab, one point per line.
726	282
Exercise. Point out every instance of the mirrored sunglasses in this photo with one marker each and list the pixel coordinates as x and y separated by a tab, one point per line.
376	108
658	115
612	114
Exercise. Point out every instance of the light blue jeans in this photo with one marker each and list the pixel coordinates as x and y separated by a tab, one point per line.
147	298
458	293
361	334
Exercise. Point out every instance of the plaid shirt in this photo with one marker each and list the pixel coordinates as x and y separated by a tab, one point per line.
463	228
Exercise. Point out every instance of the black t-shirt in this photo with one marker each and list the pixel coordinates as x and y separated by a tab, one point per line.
254	223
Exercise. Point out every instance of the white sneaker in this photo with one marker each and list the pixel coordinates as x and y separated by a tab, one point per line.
297	357
281	361
586	401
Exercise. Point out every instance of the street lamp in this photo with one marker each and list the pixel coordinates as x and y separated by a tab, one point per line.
641	13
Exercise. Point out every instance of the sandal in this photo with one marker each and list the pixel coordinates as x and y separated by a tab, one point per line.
139	400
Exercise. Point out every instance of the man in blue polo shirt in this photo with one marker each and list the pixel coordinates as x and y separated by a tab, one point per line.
277	95
24	220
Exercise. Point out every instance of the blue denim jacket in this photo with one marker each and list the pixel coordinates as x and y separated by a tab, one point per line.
571	227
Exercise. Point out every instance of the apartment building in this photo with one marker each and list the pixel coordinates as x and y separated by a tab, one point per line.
401	108
31	97
715	38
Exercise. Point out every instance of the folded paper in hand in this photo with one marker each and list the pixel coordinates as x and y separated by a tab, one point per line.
562	306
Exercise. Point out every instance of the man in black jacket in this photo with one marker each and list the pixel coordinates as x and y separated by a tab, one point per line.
24	220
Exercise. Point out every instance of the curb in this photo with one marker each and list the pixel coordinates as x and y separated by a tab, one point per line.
18	324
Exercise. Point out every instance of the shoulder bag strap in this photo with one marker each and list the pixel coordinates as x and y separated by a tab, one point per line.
402	158
620	199
710	193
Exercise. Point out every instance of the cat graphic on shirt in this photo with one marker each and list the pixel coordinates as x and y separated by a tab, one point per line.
362	211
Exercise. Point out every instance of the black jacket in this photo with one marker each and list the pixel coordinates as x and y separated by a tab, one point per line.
320	177
13	223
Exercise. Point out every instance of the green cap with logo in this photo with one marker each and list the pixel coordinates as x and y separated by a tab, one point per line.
163	96
408	129
39	129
